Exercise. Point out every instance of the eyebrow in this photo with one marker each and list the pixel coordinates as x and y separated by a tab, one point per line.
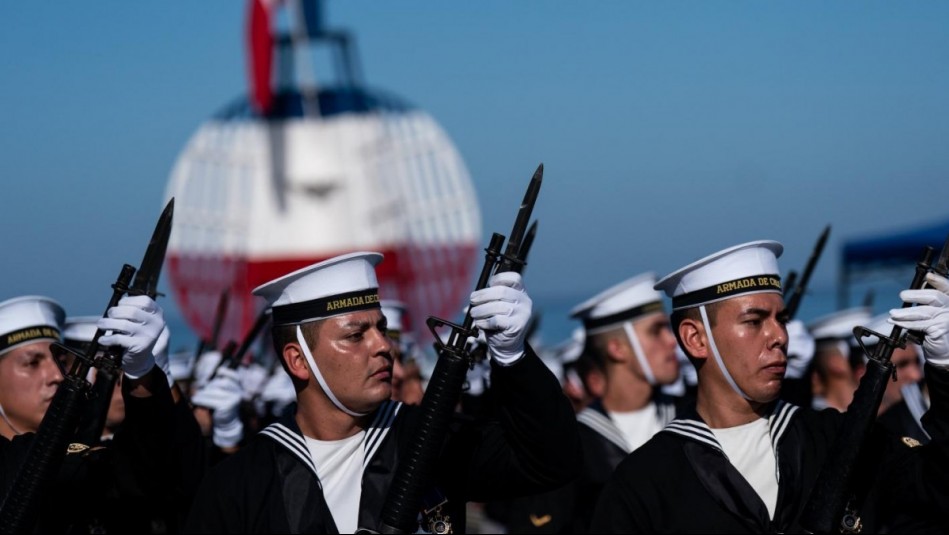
756	311
357	323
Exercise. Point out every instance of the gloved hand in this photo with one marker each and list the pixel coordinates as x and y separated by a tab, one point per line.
252	377
204	368
136	323
278	391
223	396
502	311
801	349
160	353
930	315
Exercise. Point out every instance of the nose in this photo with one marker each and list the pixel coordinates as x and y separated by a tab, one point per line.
53	374
780	333
382	344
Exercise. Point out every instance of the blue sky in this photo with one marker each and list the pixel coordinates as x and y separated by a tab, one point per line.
668	130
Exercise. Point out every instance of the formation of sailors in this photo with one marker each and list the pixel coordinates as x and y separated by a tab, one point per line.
715	416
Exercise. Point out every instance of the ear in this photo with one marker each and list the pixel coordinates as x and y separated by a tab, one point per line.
296	361
694	339
617	350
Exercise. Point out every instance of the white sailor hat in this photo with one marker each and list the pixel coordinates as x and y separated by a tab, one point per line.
80	329
394	311
840	324
340	285
623	302
24	320
743	269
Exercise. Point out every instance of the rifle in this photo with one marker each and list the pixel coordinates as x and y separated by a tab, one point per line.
399	515
20	506
205	344
233	354
797	293
831	506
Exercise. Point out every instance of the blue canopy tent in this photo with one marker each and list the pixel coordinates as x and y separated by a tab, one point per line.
864	256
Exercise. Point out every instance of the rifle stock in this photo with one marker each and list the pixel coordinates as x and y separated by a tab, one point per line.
414	473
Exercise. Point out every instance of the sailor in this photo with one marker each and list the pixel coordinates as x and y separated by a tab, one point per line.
838	362
328	468
628	337
745	461
29	379
406	374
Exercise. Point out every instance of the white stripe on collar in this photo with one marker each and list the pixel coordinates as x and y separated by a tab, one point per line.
602	425
379	428
778	422
293	442
374	437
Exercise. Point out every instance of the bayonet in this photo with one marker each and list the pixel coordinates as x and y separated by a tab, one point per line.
795	301
525	250
510	261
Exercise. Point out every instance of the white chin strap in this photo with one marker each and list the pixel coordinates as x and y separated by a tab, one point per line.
638	351
319	376
718	357
3	415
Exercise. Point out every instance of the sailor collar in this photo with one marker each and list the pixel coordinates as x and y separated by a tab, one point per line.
693	428
288	435
596	418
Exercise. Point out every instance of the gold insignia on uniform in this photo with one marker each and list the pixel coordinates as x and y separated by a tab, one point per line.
911	442
76	447
539	521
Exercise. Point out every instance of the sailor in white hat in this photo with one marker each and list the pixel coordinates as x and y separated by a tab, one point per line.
29	375
744	460
29	381
838	364
341	448
628	337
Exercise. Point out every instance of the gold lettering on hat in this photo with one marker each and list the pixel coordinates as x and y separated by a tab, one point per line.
740	284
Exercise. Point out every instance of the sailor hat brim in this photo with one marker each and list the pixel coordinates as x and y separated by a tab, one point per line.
839	325
28	319
80	329
340	285
626	301
747	268
394	311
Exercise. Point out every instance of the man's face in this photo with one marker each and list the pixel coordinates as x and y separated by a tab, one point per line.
28	380
659	344
355	357
752	339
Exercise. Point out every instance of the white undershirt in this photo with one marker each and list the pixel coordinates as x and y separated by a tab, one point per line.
748	447
637	426
339	467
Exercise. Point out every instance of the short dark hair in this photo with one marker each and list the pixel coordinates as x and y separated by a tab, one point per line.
287	334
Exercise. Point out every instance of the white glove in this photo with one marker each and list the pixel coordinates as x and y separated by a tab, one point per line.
930	315
204	367
252	379
161	355
223	396
502	311
801	349
279	391
136	323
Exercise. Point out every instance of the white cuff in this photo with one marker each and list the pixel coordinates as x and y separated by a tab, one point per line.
506	359
137	370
